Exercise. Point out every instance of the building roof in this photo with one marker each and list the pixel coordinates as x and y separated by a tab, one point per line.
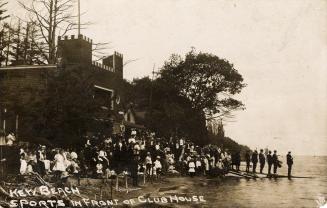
48	66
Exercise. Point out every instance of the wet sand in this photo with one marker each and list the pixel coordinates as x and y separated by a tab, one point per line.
165	192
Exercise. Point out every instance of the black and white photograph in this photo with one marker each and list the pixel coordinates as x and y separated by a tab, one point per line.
163	104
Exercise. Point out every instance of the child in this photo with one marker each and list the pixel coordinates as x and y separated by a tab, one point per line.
23	165
99	168
148	163
157	166
206	164
29	169
198	166
191	166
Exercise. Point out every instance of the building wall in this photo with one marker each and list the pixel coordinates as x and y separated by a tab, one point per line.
116	62
72	51
75	50
25	75
23	83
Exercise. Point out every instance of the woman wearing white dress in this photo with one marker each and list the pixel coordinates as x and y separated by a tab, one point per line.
59	165
23	165
191	169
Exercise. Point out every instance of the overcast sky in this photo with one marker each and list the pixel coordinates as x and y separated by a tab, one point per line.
280	48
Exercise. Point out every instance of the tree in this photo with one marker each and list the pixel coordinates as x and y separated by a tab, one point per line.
3	16
20	44
53	17
168	114
206	80
16	44
3	40
69	108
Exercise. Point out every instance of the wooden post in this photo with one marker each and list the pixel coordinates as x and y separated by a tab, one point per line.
117	183
17	126
111	188
1	162
79	18
126	183
4	121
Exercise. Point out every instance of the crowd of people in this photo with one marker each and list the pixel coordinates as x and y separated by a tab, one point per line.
103	156
272	160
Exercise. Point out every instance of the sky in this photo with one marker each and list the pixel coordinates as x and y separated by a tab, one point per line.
280	48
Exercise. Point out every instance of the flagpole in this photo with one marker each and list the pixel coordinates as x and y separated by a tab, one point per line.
79	17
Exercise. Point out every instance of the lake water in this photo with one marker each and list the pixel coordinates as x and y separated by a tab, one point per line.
280	192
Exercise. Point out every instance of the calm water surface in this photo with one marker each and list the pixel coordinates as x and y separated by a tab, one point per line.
281	192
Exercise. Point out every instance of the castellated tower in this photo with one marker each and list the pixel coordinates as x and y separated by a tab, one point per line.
72	50
116	62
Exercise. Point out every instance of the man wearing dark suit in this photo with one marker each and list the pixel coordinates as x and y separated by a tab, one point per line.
262	160
247	160
270	162
289	159
254	160
275	161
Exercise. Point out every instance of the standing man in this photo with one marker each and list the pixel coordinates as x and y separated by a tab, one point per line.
134	170
238	160
275	161
254	160
247	160
270	162
289	164
262	160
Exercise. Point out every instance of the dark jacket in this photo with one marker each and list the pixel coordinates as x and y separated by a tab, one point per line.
262	158
269	159
289	159
247	158
275	159
255	157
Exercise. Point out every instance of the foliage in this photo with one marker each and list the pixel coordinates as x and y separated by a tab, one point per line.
186	94
20	45
167	113
206	80
228	143
69	108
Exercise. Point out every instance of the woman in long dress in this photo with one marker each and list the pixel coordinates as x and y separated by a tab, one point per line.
23	165
59	166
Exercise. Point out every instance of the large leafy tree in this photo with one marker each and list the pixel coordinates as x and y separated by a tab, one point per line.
69	105
206	80
166	112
